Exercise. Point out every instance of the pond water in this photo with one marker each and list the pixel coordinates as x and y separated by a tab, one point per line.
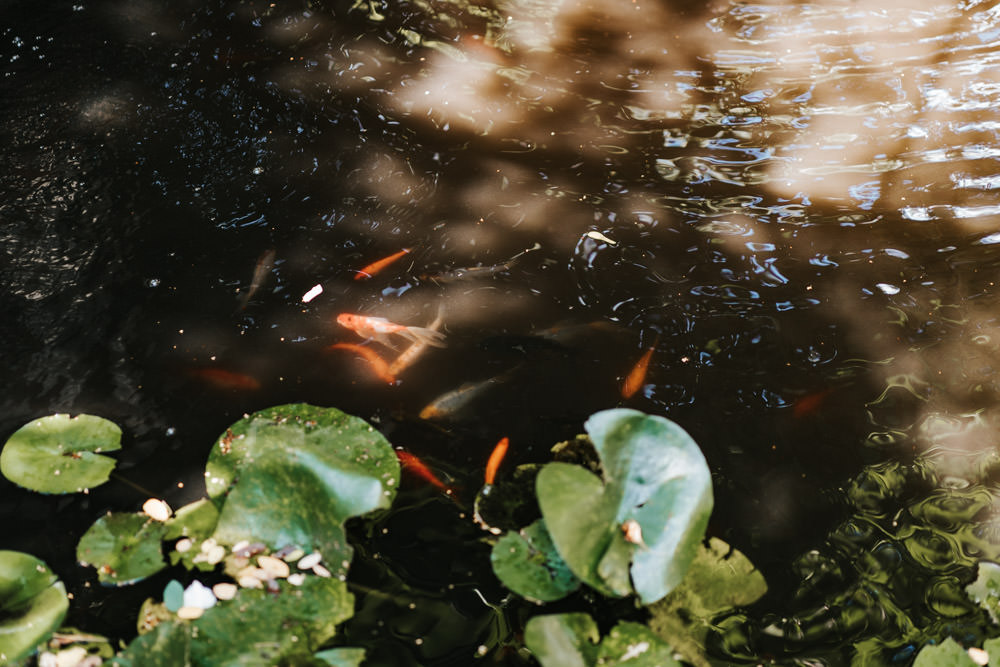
793	204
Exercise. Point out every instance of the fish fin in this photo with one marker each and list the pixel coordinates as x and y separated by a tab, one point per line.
424	335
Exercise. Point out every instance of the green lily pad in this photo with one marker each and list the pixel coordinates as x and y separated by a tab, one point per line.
946	654
32	604
992	648
255	628
124	548
563	640
528	564
642	524
720	579
570	640
60	453
985	590
292	474
635	645
196	520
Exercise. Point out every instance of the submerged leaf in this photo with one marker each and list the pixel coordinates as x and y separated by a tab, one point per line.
342	657
985	590
528	564
720	579
124	548
635	645
60	453
32	604
563	640
292	474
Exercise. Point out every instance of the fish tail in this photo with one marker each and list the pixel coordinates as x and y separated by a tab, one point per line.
424	335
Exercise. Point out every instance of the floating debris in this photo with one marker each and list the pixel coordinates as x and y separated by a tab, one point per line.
314	292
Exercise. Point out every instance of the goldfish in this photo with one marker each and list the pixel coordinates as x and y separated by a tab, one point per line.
264	266
473	272
380	329
636	377
496	457
410	354
220	378
375	267
377	363
810	403
413	464
450	402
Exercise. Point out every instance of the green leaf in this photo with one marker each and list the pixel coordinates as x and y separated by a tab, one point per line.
196	520
992	648
562	640
292	474
581	521
342	657
255	628
720	579
985	590
946	654
60	454
32	604
528	564
656	485
635	645
124	548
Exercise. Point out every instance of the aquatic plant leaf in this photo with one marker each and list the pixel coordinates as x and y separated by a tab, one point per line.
292	474
255	628
33	603
659	478
60	453
342	657
124	548
720	579
196	520
985	590
992	648
528	564
644	521
563	640
635	645
946	654
581	521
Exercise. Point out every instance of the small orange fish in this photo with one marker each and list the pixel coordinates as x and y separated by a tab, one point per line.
220	378
495	458
377	363
380	329
375	267
410	462
636	377
810	403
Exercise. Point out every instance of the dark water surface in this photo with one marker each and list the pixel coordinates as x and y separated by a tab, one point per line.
794	202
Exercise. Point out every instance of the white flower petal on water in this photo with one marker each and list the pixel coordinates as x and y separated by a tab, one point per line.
310	561
312	294
190	613
225	590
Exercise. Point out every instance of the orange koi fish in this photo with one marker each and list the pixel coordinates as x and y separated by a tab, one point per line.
380	329
377	363
413	464
220	378
636	377
495	458
375	267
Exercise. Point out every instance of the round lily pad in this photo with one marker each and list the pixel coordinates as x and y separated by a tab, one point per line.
60	453
292	474
32	604
123	547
